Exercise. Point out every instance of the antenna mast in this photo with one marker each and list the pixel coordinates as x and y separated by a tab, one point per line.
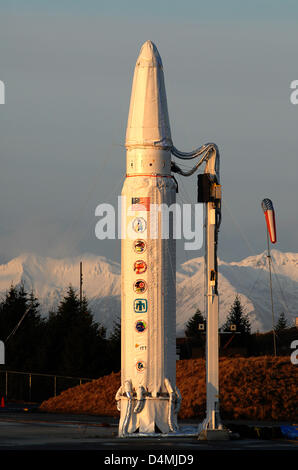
81	283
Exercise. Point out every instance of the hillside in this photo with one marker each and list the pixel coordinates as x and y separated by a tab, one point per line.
49	278
261	388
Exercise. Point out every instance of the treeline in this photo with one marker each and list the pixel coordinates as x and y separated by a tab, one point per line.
236	336
65	342
69	342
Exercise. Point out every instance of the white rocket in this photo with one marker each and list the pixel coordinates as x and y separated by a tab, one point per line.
148	399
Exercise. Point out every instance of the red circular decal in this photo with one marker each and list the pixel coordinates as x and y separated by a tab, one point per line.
140	267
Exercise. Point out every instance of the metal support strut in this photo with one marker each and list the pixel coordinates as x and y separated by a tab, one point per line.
209	193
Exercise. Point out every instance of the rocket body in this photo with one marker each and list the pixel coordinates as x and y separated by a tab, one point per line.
148	398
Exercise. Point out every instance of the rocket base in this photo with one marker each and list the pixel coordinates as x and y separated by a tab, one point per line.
156	417
208	431
185	431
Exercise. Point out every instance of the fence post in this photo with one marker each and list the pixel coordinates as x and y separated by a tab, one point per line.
30	374
30	378
6	385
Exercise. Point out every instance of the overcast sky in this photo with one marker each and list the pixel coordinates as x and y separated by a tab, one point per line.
68	67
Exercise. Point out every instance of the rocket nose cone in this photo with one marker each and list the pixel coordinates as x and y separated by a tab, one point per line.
148	120
149	55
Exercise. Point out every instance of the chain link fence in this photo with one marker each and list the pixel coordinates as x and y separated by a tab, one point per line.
34	387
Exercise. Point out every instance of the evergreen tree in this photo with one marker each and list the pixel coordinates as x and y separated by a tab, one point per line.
22	330
237	317
115	347
192	326
282	323
77	345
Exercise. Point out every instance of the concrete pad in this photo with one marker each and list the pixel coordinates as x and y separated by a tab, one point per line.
214	435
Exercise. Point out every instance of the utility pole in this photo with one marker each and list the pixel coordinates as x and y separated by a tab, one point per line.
81	284
271	294
269	213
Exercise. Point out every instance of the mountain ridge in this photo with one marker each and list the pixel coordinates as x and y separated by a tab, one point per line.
248	278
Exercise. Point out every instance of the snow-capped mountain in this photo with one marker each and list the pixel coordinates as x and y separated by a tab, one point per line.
249	278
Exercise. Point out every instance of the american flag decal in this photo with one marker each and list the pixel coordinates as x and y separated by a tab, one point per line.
140	203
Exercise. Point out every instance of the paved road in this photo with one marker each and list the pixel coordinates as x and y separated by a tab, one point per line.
23	431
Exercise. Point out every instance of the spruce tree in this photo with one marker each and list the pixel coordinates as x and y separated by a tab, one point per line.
115	347
237	317
77	345
282	323
22	330
192	327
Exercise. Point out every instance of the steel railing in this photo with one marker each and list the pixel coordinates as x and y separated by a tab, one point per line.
16	385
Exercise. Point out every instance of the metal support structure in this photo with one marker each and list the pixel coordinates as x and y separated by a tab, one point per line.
81	284
212	386
271	294
209	192
211	427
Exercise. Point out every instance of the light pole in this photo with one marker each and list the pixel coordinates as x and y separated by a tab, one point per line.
271	232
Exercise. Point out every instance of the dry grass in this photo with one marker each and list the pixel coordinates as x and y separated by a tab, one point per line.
256	388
